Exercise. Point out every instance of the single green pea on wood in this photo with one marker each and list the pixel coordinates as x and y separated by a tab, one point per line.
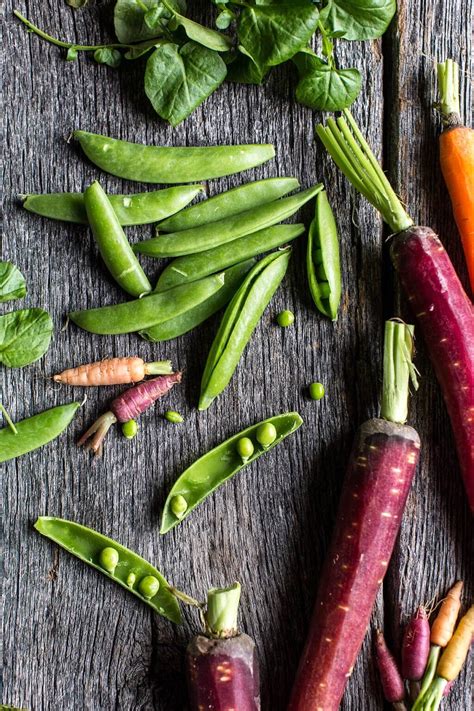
113	245
89	546
36	431
163	164
322	259
285	318
316	391
130	429
238	323
218	465
133	209
174	417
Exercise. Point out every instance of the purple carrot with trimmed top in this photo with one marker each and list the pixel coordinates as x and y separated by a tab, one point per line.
127	406
415	650
390	677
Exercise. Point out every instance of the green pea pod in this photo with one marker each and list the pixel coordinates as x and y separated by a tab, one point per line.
322	259
230	203
197	266
35	431
238	323
88	545
217	466
151	310
158	164
113	245
198	239
135	209
188	320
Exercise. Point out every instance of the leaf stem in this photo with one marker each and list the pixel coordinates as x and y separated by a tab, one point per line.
352	154
222	611
8	419
398	371
448	83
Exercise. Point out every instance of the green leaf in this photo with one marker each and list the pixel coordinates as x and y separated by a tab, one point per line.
12	282
224	19
129	19
203	35
71	54
323	87
154	17
245	71
108	55
359	19
24	336
272	34
142	49
178	79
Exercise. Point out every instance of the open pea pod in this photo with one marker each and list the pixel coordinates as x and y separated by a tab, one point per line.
221	463
322	259
115	561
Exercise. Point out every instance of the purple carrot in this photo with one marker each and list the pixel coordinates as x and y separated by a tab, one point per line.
392	682
415	650
377	482
127	406
222	666
446	317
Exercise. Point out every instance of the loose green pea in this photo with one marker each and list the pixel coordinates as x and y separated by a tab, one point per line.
285	318
149	586
130	429
109	559
173	416
179	505
131	577
266	434
245	448
316	391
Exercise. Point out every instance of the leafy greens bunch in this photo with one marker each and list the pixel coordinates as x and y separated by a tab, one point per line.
188	61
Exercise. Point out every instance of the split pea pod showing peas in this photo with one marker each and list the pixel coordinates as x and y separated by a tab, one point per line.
115	561
238	323
322	259
198	239
197	266
188	320
134	209
230	203
221	463
162	164
113	245
149	311
35	431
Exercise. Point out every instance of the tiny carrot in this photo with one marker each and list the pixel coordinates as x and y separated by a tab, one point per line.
457	159
113	371
392	682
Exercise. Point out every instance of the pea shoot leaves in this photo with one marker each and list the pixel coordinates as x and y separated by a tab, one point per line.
12	282
129	18
178	79
359	19
24	336
322	86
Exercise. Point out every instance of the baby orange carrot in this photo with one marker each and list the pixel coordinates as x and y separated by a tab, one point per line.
113	371
457	159
441	632
451	661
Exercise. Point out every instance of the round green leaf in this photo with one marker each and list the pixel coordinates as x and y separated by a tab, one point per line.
359	19
12	282
24	336
325	88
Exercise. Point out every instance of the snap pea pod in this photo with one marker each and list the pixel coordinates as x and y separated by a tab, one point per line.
238	323
115	561
230	203
149	311
188	320
35	431
322	259
198	239
221	463
134	209
199	265
113	245
164	164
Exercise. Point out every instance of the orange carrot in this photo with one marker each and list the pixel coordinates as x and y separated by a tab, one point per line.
113	371
457	159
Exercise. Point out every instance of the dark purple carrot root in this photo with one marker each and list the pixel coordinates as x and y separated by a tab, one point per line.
416	646
445	315
390	677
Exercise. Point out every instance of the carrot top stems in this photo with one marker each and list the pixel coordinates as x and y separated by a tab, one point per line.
222	610
350	151
448	84
398	371
159	367
434	695
8	419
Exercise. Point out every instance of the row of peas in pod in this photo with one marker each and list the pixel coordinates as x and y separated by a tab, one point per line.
213	245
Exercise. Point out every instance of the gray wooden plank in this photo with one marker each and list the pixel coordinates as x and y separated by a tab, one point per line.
78	641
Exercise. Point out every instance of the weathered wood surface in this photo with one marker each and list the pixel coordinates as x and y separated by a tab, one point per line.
74	641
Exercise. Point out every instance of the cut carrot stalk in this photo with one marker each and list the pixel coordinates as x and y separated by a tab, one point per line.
113	371
456	144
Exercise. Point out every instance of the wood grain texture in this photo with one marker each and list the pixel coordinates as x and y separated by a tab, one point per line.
73	640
